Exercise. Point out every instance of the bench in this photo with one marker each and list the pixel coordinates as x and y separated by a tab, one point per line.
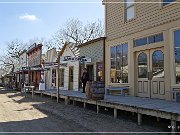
117	91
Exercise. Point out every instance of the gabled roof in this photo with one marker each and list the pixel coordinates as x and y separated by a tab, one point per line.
92	41
73	47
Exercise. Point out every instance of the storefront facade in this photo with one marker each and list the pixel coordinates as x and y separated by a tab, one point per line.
69	75
34	64
50	73
22	71
142	48
93	50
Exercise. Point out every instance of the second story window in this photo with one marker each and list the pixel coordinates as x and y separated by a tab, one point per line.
129	10
166	2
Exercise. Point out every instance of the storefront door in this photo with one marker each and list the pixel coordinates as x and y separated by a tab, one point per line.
90	71
71	71
150	73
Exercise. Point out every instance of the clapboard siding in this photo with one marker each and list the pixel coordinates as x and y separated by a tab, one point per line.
147	16
68	52
93	51
51	56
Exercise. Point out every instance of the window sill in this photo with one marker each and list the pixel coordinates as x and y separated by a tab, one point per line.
130	20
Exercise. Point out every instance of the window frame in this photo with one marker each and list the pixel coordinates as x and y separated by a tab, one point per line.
125	11
147	39
121	70
174	58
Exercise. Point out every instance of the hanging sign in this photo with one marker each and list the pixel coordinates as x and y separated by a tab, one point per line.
65	59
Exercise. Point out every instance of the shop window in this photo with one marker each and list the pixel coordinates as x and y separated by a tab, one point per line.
62	77
99	71
119	64
166	2
129	9
177	55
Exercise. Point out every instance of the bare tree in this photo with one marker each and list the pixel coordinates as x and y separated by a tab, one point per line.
14	48
75	31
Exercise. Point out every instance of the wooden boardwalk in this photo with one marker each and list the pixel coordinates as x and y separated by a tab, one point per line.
153	107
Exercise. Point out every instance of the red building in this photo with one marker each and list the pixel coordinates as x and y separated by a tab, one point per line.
34	63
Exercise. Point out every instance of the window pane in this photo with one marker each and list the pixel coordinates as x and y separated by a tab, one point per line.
129	2
113	64
158	64
119	57
125	64
142	65
177	64
140	42
159	37
155	38
165	2
177	54
99	72
113	57
177	38
130	13
113	75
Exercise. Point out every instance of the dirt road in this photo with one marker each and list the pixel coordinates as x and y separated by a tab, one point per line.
42	114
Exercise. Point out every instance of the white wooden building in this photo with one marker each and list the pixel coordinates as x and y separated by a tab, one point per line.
69	76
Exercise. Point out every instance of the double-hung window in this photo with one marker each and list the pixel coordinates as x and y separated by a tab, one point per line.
129	9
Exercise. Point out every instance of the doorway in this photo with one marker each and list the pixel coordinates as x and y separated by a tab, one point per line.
150	73
71	76
90	71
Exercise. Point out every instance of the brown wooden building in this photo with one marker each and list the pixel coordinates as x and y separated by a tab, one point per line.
34	63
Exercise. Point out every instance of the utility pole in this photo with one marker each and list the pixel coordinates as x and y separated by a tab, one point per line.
58	76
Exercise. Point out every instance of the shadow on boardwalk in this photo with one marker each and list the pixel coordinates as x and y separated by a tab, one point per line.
68	118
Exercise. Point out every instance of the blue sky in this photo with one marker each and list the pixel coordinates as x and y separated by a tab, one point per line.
27	21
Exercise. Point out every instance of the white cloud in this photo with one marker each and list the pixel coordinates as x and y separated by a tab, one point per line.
28	17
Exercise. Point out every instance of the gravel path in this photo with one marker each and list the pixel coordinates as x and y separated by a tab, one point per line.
20	113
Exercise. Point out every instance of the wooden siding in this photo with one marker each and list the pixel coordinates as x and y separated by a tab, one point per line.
147	15
93	51
67	52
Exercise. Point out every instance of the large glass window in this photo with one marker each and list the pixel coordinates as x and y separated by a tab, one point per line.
165	2
119	64
177	54
129	9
